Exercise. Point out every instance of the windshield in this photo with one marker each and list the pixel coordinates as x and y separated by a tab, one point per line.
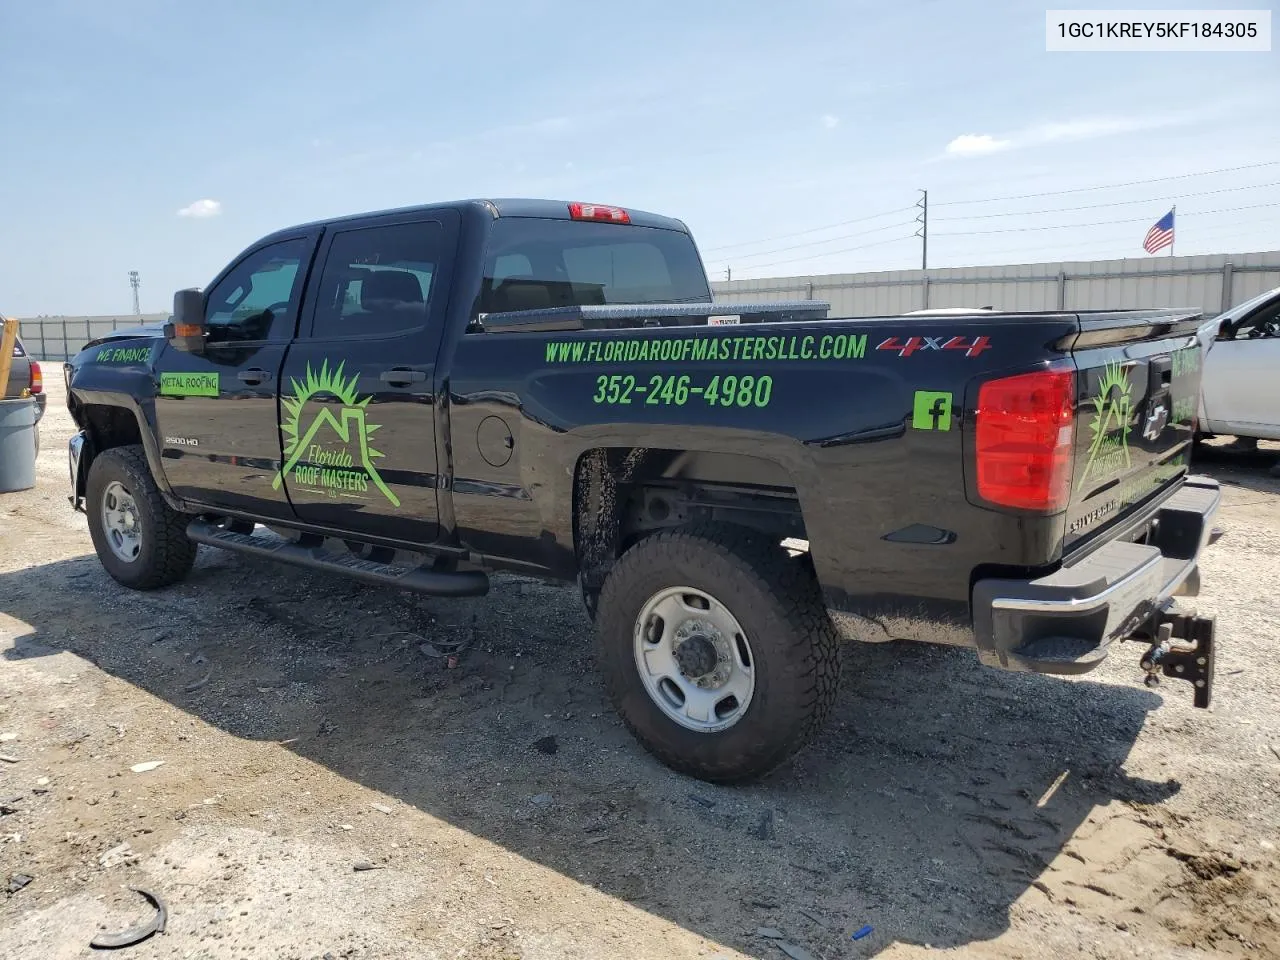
1243	309
534	264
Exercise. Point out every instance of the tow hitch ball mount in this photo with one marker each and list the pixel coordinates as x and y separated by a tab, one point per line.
1183	649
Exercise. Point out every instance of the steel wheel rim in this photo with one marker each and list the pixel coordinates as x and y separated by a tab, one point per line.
694	659
120	522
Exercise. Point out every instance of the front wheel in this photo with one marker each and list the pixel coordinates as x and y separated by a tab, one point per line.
717	651
140	540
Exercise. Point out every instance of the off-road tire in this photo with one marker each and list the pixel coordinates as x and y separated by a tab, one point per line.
793	643
166	555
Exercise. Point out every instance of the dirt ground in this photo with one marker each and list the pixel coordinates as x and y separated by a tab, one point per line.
305	730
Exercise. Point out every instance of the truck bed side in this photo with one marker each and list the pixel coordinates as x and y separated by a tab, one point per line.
833	420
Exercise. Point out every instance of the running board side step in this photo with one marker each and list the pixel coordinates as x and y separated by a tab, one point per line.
311	554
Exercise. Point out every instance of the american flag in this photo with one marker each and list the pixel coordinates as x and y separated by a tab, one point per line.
1160	235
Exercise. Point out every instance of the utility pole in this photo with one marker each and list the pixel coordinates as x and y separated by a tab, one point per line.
728	274
135	283
923	232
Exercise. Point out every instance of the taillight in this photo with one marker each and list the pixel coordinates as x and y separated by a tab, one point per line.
595	211
1025	439
37	378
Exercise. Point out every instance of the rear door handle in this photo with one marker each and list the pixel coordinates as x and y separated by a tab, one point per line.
253	377
403	376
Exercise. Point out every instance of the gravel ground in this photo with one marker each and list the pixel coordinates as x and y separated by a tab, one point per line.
305	730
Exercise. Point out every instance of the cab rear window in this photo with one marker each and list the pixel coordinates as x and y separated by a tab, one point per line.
535	264
17	349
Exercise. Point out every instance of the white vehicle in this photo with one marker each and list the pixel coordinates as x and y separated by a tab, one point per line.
1240	386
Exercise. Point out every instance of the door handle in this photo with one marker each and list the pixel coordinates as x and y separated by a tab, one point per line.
402	376
253	377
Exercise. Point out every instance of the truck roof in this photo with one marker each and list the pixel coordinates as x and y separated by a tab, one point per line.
505	207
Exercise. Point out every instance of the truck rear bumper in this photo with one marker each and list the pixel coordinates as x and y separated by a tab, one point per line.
1064	623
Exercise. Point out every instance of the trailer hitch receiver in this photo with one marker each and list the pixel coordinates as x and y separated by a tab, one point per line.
1183	650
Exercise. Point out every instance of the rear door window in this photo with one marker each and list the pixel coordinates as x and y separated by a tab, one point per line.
377	281
535	264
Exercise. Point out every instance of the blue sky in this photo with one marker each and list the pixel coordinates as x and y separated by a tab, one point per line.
755	123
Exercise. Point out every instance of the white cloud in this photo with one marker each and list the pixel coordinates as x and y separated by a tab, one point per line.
1089	129
830	121
1086	128
976	144
201	209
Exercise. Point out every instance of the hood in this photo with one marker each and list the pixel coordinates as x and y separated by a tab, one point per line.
148	331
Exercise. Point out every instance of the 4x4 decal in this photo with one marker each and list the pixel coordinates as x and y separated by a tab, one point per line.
316	450
1112	408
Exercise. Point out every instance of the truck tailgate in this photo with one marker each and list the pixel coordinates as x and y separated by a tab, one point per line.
1138	380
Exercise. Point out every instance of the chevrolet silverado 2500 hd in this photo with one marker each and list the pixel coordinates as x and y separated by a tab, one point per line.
418	397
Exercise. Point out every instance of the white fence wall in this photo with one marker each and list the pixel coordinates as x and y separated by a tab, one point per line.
1210	283
60	338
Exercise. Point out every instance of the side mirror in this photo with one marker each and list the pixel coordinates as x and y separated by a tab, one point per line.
186	330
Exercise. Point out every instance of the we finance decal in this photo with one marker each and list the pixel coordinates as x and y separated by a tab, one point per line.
327	452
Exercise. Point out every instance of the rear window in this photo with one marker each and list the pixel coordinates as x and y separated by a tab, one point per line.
535	264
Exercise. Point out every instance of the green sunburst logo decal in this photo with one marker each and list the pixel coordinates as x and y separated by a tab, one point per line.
1109	429
310	457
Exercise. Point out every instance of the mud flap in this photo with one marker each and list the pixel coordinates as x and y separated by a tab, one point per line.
1184	650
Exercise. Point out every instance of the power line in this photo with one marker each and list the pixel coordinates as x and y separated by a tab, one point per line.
829	253
1099	223
923	230
1114	203
1094	243
813	243
801	233
1112	186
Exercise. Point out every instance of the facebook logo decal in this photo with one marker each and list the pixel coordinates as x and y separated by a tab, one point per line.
931	411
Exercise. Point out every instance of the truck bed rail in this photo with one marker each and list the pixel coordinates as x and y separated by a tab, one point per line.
620	316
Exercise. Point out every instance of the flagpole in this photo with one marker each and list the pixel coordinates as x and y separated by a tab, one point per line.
1174	224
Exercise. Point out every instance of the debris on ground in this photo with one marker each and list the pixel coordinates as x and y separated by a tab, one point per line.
702	801
127	938
6	737
542	800
5	758
360	866
770	933
146	766
864	932
795	952
381	807
197	684
764	829
546	745
117	855
18	881
7	805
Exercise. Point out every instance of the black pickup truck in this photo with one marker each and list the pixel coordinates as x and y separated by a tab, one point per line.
421	396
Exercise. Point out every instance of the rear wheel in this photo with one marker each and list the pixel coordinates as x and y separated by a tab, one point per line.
717	651
140	540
